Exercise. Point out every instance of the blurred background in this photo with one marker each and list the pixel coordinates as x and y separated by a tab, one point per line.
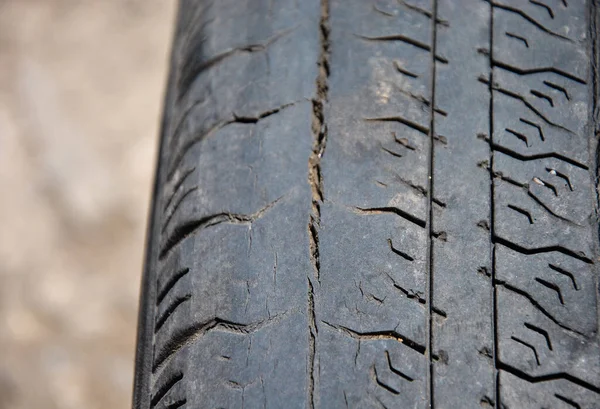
81	86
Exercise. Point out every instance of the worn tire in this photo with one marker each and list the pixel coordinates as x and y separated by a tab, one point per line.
375	203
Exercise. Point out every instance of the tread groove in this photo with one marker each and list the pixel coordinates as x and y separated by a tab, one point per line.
527	345
518	37
398	252
193	68
537	306
184	336
547	209
540	331
521	211
411	124
404	71
418	189
162	292
550	377
553	287
519	136
164	389
176	206
396	371
179	154
315	181
382	384
558	88
553	70
188	228
516	155
431	233
526	103
162	319
567	401
393	210
538	127
374	335
539	250
177	186
529	18
545	6
404	39
543	96
566	273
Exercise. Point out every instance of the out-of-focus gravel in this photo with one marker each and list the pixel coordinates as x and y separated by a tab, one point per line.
81	86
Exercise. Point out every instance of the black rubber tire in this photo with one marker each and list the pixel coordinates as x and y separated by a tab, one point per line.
375	203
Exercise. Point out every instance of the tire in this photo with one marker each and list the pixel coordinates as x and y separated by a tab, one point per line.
375	203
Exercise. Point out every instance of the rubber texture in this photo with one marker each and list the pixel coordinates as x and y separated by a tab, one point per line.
375	203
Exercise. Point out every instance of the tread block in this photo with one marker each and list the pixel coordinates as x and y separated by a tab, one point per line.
370	372
520	130
562	285
522	223
544	50
534	344
559	187
558	393
372	279
565	18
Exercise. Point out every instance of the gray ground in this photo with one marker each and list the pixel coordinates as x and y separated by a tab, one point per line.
80	94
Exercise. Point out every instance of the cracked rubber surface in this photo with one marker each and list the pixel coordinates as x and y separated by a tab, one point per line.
375	203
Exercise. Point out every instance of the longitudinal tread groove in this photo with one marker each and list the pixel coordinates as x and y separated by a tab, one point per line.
430	193
497	402
547	209
315	180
